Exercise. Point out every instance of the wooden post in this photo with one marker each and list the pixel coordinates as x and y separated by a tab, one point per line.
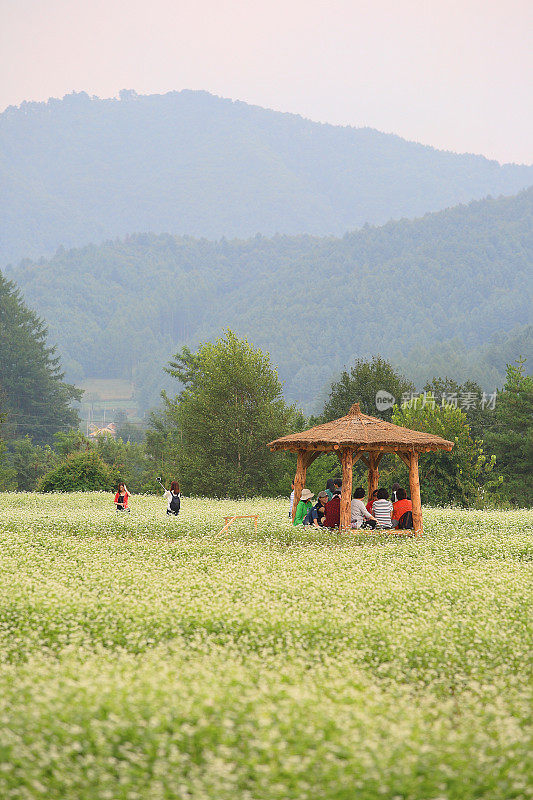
373	473
299	479
346	492
414	485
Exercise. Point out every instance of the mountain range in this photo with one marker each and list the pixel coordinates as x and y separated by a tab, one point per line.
82	169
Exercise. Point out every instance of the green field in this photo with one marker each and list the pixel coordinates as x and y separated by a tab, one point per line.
143	658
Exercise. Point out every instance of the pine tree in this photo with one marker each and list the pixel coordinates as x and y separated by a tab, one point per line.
37	401
511	437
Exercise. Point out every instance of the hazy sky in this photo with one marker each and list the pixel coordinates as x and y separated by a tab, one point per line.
456	74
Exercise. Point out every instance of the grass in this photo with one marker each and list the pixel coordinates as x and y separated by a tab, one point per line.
141	657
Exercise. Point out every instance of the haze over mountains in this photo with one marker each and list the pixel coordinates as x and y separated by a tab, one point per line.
440	288
82	170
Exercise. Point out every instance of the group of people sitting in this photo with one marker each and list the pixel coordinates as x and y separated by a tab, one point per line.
378	512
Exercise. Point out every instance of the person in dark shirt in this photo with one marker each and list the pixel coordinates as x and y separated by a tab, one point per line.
329	488
173	498
394	493
317	515
333	511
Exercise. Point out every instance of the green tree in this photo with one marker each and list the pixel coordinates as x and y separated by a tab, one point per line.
511	437
128	461
469	396
230	408
38	402
445	478
72	441
28	462
184	365
163	441
361	385
79	472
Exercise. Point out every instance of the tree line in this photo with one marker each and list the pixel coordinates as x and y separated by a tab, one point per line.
212	430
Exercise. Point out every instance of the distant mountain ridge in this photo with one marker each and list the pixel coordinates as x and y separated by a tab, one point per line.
78	170
424	292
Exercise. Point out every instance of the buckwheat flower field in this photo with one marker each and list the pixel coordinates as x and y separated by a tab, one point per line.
147	658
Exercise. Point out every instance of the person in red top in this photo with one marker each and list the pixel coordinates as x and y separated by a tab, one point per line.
401	505
371	500
121	498
333	511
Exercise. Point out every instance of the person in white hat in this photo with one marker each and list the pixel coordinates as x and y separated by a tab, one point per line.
304	506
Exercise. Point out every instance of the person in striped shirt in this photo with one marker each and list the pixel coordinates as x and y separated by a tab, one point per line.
382	509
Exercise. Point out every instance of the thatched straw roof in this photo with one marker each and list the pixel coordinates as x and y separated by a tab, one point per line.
361	432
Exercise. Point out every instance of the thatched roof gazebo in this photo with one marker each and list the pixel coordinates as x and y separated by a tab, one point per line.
358	436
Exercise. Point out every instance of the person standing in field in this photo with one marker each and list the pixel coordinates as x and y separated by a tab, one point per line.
121	498
173	498
394	492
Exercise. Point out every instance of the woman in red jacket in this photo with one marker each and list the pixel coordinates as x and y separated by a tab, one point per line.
121	498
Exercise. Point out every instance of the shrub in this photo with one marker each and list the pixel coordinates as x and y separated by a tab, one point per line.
80	472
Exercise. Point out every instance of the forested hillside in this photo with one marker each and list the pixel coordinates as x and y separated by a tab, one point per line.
441	288
81	170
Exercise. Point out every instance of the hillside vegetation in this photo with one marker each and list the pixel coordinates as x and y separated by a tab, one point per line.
82	169
444	285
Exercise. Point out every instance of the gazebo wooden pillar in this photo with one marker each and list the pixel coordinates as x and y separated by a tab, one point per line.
414	485
346	493
360	436
373	473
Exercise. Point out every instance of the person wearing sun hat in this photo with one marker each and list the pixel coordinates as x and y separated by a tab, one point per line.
303	507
